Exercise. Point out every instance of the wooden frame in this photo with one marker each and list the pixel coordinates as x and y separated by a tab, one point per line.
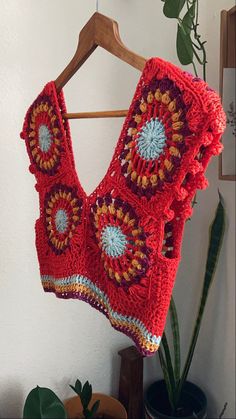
227	60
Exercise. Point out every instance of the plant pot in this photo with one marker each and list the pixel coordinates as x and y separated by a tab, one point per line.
109	408
193	402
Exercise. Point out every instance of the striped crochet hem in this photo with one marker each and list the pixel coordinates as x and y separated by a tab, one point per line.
80	287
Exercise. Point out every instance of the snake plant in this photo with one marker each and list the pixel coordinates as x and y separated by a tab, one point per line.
190	50
175	379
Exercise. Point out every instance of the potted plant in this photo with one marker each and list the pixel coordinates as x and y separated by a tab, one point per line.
174	396
42	403
99	405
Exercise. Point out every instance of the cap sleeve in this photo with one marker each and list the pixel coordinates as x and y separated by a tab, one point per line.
175	124
43	133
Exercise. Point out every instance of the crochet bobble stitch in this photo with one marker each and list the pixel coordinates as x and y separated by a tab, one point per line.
119	248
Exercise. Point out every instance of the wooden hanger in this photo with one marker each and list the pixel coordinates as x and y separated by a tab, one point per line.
100	31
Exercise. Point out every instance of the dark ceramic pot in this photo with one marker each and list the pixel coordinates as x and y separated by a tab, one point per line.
193	403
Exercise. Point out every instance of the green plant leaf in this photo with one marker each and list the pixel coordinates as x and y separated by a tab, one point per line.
176	339
216	235
166	377
95	407
77	388
86	394
188	18
43	403
169	365
184	46
172	8
87	414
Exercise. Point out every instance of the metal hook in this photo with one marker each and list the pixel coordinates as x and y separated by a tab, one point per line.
96	5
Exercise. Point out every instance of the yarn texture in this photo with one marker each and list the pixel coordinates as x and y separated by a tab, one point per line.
119	248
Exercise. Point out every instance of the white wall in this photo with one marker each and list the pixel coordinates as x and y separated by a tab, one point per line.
51	342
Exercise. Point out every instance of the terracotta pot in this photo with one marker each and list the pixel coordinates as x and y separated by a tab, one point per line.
109	408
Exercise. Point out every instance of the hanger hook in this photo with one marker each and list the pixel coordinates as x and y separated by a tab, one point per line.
96	5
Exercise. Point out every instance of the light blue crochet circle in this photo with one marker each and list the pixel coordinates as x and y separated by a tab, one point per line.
151	140
113	241
45	138
61	220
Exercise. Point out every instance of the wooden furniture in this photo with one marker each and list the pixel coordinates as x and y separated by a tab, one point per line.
227	59
100	31
131	382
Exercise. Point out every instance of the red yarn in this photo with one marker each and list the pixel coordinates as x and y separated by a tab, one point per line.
119	247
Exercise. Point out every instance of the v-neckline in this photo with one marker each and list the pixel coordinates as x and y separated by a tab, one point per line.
69	142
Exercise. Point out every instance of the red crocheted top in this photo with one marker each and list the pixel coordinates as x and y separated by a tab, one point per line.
119	248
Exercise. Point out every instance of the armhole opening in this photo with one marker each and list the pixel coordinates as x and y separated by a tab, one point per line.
172	235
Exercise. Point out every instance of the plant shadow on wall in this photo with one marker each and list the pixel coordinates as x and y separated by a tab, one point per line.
175	396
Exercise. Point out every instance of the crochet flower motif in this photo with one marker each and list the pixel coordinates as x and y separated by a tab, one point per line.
151	140
156	138
121	240
62	215
44	135
113	241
